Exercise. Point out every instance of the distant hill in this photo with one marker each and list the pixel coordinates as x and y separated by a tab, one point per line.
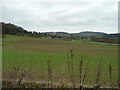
90	33
8	28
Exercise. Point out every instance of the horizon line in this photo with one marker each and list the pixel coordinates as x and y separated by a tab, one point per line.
58	31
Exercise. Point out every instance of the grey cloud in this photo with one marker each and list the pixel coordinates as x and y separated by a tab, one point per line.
71	17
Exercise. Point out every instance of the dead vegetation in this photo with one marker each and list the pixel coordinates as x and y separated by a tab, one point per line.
18	78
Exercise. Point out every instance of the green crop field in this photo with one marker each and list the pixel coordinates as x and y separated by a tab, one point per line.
27	52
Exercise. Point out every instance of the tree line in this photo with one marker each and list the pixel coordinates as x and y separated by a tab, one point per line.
11	29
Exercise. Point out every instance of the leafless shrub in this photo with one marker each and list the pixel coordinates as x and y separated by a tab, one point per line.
82	75
22	75
110	71
86	71
113	85
80	71
71	66
98	75
68	64
42	70
49	73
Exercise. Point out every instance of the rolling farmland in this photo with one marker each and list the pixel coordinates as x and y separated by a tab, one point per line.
48	60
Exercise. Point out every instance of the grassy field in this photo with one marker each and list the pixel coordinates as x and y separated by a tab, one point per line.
34	53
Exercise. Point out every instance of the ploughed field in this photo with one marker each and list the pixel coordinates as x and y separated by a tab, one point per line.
59	61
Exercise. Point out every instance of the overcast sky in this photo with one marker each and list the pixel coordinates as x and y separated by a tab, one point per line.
69	17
